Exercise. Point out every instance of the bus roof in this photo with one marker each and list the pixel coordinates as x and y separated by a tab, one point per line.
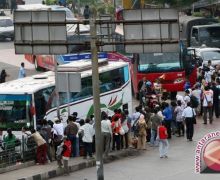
32	84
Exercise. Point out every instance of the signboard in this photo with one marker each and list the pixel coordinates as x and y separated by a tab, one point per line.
40	32
151	30
68	82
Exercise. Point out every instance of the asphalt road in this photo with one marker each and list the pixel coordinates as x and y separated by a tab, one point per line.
11	62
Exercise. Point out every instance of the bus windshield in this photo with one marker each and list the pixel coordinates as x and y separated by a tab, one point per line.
159	62
210	36
14	111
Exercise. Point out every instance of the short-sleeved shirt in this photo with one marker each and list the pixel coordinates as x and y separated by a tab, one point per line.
162	132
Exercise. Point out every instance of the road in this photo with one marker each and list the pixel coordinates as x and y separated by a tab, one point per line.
11	62
148	166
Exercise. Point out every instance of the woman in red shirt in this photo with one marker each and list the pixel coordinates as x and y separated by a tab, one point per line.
163	142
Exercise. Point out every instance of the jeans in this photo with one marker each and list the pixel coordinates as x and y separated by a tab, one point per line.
205	111
124	137
163	147
153	140
88	149
189	128
180	128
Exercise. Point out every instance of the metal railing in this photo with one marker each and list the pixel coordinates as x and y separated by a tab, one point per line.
20	151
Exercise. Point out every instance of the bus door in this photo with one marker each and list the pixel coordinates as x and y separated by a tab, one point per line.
190	63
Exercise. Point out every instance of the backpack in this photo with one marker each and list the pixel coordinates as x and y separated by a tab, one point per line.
194	101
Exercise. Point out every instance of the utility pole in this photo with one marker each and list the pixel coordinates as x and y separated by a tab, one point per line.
96	100
56	89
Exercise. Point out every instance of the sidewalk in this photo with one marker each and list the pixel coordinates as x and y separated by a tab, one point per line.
50	170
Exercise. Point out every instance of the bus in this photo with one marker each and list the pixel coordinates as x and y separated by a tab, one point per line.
26	101
172	69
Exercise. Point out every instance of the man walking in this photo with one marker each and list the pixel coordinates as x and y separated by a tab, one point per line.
207	104
22	72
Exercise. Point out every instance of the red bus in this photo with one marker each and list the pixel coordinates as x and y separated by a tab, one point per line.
173	69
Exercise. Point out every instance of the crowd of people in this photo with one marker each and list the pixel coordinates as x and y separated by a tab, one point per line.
153	123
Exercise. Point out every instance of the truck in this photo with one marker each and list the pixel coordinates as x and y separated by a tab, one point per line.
198	31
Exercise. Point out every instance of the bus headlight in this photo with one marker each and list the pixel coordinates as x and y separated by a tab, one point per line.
178	80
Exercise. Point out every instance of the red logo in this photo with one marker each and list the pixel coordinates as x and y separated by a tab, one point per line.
211	155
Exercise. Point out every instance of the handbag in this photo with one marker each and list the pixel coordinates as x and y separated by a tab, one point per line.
193	117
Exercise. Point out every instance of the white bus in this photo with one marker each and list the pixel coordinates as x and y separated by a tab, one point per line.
24	102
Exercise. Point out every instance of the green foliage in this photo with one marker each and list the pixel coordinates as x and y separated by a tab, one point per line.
50	2
198	14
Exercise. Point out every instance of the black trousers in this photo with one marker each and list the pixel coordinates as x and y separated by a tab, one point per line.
189	128
168	126
116	140
180	128
123	139
88	149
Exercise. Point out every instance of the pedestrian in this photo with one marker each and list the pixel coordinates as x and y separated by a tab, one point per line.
71	131
76	151
86	12
216	93
57	133
197	92
46	132
3	76
188	114
9	143
167	112
179	119
116	125
163	141
64	153
155	120
187	96
22	72
141	89
88	133
41	147
124	125
106	132
142	133
207	104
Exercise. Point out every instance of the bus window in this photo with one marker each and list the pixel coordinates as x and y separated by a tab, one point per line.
195	34
42	100
15	111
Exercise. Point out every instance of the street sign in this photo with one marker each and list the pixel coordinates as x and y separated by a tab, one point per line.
40	32
151	30
68	82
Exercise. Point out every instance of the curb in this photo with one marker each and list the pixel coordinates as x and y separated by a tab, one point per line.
17	167
91	163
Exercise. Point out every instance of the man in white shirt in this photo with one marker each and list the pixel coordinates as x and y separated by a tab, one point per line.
88	133
187	96
207	104
106	132
188	114
197	92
